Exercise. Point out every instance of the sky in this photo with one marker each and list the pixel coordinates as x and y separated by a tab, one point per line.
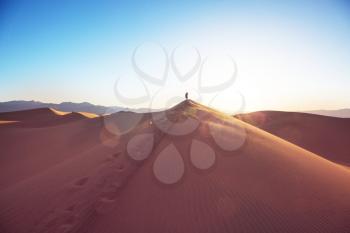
269	55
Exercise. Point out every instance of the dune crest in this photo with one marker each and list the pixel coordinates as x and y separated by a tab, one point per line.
326	136
137	184
42	117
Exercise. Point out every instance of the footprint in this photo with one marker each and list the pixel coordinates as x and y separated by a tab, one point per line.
104	205
110	196
82	181
120	167
115	155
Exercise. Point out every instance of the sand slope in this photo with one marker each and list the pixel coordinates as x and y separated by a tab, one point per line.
257	182
328	137
42	117
32	141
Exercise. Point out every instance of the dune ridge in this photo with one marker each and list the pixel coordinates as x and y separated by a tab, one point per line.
264	184
323	135
43	117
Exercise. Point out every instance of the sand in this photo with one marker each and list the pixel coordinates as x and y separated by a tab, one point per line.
328	137
212	173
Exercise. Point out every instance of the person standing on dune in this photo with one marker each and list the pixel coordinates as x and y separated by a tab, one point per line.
186	95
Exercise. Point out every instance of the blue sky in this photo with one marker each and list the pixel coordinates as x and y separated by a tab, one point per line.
290	55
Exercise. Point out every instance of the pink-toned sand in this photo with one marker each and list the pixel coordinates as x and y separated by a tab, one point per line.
59	175
328	137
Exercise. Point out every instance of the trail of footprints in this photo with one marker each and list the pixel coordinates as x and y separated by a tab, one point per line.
83	193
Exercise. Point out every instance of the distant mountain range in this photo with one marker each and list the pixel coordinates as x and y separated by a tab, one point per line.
11	106
18	105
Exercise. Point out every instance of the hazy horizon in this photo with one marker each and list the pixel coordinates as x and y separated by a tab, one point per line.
316	111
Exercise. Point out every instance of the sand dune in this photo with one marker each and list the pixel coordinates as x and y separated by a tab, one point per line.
328	137
42	117
34	140
20	105
207	172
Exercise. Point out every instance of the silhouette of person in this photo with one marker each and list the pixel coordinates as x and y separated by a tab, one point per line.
186	95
